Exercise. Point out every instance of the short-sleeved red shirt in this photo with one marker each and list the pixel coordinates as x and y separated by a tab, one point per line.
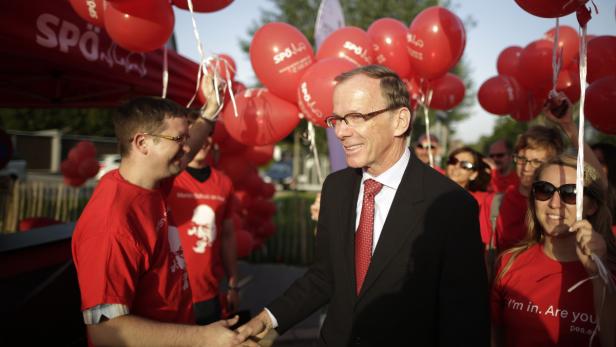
511	225
500	183
124	253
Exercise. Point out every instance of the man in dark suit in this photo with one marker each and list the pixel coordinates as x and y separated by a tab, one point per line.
399	254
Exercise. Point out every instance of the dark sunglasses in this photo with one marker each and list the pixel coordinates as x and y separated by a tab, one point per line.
426	146
463	163
543	191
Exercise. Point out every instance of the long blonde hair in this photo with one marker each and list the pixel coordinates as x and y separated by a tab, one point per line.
601	220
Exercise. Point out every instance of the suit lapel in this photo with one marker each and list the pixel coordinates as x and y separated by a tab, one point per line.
350	215
403	215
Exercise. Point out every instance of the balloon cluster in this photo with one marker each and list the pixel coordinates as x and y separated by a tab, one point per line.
286	64
80	165
525	77
139	25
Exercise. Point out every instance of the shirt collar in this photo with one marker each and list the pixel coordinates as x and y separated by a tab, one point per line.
393	176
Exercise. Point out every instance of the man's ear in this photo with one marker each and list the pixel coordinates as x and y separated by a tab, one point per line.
402	121
139	144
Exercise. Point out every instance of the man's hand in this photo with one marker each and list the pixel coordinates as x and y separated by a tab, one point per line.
213	105
256	328
218	335
233	300
559	110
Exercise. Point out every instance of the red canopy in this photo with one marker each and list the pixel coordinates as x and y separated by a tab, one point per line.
50	57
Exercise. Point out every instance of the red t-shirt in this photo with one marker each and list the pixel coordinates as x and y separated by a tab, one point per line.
500	183
124	254
531	305
198	210
511	225
484	200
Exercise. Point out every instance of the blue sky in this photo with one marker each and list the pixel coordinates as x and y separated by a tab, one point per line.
499	24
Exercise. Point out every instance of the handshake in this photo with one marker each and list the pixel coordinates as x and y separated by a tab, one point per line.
258	332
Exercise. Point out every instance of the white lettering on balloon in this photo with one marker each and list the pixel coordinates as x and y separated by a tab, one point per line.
92	8
358	50
289	52
308	103
55	33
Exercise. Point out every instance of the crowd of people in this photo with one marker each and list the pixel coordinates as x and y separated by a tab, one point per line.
486	251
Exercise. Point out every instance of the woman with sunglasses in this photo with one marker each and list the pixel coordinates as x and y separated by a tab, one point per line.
547	291
467	168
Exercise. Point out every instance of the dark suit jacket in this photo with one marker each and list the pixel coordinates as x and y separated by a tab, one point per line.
426	284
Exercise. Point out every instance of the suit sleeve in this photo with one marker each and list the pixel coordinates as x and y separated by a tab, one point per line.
463	298
314	289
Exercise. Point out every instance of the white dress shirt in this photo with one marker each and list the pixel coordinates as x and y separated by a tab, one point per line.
382	201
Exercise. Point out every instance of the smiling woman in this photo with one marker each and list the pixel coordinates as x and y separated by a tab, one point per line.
551	270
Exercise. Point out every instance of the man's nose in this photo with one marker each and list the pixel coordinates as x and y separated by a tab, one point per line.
342	130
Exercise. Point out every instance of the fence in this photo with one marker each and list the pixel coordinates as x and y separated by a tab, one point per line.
25	199
293	243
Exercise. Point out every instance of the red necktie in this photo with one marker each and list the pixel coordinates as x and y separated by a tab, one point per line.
363	236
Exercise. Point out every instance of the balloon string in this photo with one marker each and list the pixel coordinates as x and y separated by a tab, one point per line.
580	158
427	99
556	57
165	72
315	153
201	53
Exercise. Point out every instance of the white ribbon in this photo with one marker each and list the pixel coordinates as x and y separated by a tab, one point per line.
426	101
165	72
315	153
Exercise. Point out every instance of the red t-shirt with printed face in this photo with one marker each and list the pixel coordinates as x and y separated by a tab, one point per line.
511	225
124	253
500	183
198	210
532	305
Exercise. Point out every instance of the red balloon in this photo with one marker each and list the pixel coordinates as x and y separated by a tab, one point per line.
203	5
436	41
268	190
235	167
508	61
350	43
245	243
69	168
447	92
569	83
77	155
599	105
88	168
568	42
499	95
280	54
601	57
87	148
535	71
316	88
266	229
388	37
92	11
226	143
529	106
263	118
140	25
415	91
550	8
36	222
259	155
225	66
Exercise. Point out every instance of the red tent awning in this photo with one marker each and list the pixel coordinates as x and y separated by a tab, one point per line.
50	57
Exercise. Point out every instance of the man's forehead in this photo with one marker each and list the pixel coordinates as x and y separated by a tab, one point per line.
534	153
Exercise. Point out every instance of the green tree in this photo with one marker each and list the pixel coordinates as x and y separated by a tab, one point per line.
87	121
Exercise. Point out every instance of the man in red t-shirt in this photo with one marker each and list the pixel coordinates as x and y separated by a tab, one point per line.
199	204
130	268
533	148
503	173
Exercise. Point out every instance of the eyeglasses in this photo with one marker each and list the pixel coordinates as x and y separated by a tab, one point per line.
463	163
426	146
355	119
497	155
177	139
518	159
543	191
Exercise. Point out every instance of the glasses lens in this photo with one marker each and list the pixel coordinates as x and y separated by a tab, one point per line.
466	165
543	191
567	193
419	145
452	161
